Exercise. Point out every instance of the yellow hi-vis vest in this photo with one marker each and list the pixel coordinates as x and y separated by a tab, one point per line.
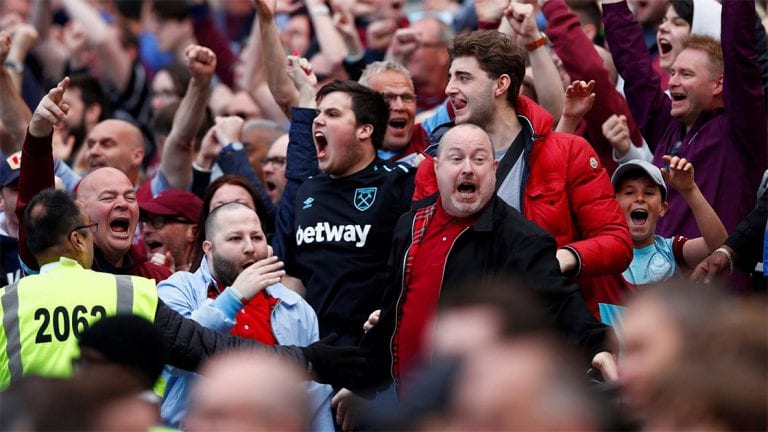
43	316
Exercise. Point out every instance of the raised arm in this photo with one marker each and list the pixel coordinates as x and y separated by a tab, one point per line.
280	85
14	113
582	62
647	101
36	171
679	175
522	19
331	43
742	86
254	79
178	152
110	52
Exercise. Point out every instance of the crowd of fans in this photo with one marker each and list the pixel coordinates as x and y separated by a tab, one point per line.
378	215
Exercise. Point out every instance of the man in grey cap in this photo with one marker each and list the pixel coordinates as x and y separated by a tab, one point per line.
641	189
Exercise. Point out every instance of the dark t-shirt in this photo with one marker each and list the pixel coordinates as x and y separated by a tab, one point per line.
342	237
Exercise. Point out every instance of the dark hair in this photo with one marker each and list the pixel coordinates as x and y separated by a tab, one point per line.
180	76
368	105
170	9
497	54
49	218
637	173
267	224
91	92
684	9
130	341
130	9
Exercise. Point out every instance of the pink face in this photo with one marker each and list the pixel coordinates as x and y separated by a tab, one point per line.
692	85
274	168
669	37
650	344
338	137
110	200
470	92
466	171
398	90
640	201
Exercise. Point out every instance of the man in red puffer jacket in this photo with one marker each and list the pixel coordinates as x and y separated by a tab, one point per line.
554	179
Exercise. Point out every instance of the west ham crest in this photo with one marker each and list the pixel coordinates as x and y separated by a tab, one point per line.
364	198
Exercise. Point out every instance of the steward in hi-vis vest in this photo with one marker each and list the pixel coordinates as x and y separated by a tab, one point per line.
43	315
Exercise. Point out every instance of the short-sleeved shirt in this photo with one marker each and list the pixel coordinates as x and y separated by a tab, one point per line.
657	262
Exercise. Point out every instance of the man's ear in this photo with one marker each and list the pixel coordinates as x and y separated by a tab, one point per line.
718	90
138	155
664	208
364	132
77	240
502	85
207	247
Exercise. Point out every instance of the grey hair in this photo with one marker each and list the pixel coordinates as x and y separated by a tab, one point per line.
262	123
446	33
382	66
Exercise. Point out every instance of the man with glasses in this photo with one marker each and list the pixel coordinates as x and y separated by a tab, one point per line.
169	226
273	167
403	140
42	316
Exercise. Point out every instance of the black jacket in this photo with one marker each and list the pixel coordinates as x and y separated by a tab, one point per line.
188	343
501	243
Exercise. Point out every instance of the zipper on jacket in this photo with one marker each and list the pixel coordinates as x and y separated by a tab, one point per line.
397	309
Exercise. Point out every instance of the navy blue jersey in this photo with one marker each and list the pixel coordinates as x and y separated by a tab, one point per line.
343	231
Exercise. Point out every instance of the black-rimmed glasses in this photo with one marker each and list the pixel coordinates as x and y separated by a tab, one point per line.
94	227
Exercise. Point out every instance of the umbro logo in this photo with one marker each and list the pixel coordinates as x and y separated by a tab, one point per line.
308	203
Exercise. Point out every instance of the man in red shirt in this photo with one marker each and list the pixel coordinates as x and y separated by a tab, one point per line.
468	234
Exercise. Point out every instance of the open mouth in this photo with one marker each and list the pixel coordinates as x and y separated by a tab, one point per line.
677	97
639	216
398	124
119	225
664	46
270	186
153	245
466	188
321	143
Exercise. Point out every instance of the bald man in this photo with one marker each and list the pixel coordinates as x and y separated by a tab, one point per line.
117	144
107	192
249	391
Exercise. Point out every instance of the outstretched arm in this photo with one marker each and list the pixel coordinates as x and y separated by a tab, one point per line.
178	151
679	175
14	113
280	85
110	52
522	19
36	172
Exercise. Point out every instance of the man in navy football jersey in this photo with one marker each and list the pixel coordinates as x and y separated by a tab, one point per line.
344	217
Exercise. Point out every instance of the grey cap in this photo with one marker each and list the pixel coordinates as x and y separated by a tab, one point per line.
647	168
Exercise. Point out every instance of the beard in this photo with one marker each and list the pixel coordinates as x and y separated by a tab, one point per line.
224	271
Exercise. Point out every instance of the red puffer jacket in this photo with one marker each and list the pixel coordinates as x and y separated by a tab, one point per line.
568	193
